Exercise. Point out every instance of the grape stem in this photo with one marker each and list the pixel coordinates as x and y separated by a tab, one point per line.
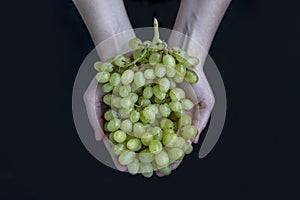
155	41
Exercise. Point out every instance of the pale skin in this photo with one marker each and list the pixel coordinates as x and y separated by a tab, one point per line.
198	19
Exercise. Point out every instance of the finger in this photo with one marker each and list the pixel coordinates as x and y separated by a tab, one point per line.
201	116
93	107
114	158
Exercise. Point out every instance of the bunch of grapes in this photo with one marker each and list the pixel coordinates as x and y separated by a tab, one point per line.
147	120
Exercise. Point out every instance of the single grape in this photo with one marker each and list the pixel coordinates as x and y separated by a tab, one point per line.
134	116
134	144
187	148
106	66
175	106
180	142
139	79
107	99
180	69
126	157
157	133
157	93
147	92
185	120
160	70
166	170
146	169
191	76
175	154
119	136
149	74
146	138
135	43
189	132
133	167
126	103
113	125
115	101
186	104
126	126
162	159
176	94
155	146
165	110
172	83
110	114
169	61
164	84
169	139
124	113
134	97
138	129
118	148
107	87
178	78
166	124
154	58
127	77
145	156
103	77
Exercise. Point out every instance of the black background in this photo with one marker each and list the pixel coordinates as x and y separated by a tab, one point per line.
256	50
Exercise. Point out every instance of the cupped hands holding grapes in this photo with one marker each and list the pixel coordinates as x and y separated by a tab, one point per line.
139	104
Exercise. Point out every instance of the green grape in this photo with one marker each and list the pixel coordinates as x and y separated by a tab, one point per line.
133	167
106	66
175	106
135	43
164	84
185	120
169	139
145	156
178	78
115	101
134	97
166	170
146	169
172	84
149	114
166	124
138	129
186	104
126	126
110	114
180	69
187	148
176	94
110	136
144	102
179	114
126	103
134	144
115	91
124	113
127	77
134	116
139	79
154	58
97	66
155	146
169	61
119	136
157	133
124	90
103	77
158	101
191	76
154	108
192	61
160	70
149	74
115	79
146	138
165	110
113	125
147	92
161	159
175	154
171	72
189	132
107	99
107	87
157	93
168	131
118	148
180	142
121	61
126	157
